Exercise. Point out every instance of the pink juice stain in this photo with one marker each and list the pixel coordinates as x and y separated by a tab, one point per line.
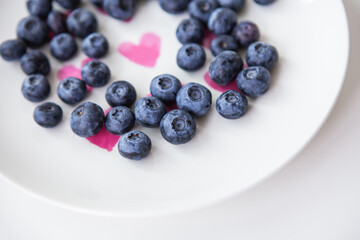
145	53
208	37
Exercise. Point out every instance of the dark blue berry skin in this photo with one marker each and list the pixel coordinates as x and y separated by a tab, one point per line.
235	5
95	45
246	33
223	43
231	104
35	88
119	120
165	88
191	57
40	8
71	90
81	22
149	111
63	46
174	6
134	145
190	31
68	4
120	9
254	81
87	119
95	73
201	9
97	3
222	21
33	31
225	67
262	54
34	61
12	50
56	21
178	127
264	2
120	93
194	98
48	114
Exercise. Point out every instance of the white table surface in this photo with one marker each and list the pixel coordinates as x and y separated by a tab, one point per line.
315	197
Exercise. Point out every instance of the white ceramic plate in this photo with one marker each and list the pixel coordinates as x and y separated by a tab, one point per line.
224	158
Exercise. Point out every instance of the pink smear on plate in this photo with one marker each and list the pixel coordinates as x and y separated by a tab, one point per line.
231	86
104	139
208	37
145	53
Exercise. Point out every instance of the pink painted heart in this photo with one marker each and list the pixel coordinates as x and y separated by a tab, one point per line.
146	53
208	37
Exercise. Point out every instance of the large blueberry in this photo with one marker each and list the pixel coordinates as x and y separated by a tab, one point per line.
69	4
40	8
120	93
165	88
87	119
254	81
201	9
222	21
95	73
194	98
56	21
35	88
71	90
246	33
95	45
191	57
149	111
190	31
81	22
33	31
225	67
231	104
34	61
48	114
12	50
178	127
120	9
119	120
262	54
134	145
223	43
63	46
174	6
235	5
264	2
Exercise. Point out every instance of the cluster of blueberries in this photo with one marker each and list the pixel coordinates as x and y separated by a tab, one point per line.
193	100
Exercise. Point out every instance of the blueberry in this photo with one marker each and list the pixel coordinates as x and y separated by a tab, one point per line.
225	67
48	114
12	50
33	31
222	43
264	2
235	5
254	81
231	104
95	73
174	6
120	93
87	119
71	90
201	9
246	33
34	61
35	88
191	57
81	22
190	31
149	111
194	98
178	127
134	145
95	45
119	120
262	54
222	21
40	8
63	46
97	3
69	4
165	88
56	21
120	9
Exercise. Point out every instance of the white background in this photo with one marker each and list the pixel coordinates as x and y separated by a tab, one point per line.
316	196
